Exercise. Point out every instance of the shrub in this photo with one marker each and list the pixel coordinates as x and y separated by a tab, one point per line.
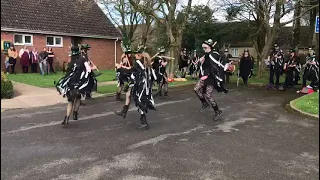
6	87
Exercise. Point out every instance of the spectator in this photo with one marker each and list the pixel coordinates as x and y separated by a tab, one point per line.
34	60
50	59
24	59
13	55
43	56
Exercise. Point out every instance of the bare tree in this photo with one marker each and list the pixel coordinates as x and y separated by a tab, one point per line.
262	12
167	13
122	15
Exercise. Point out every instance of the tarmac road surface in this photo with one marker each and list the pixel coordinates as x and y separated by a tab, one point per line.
255	139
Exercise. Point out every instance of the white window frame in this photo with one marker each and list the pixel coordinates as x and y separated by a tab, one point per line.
54	41
23	39
235	52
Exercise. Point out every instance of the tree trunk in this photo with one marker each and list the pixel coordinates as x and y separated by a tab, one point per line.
312	21
174	52
296	25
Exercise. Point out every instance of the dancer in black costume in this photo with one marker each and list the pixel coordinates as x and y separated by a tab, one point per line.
159	66
311	71
76	83
246	66
140	88
212	73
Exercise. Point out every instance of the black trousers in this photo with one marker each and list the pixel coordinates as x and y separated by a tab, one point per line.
245	79
13	62
51	66
34	67
289	78
25	69
274	72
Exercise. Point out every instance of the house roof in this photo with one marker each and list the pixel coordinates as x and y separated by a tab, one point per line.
59	17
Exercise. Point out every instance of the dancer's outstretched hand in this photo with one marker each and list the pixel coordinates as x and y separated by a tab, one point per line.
204	78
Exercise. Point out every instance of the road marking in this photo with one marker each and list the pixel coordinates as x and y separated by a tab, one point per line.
45	111
53	123
162	137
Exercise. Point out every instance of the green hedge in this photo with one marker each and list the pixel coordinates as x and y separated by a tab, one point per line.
6	87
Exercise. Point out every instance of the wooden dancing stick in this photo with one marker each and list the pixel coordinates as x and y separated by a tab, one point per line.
155	56
167	57
93	64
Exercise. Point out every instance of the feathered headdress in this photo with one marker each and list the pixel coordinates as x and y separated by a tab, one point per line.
161	50
140	49
125	46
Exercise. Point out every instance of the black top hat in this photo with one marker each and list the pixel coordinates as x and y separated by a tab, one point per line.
75	50
292	50
208	42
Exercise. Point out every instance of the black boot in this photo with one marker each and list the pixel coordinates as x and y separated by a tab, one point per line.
88	96
204	104
118	96
75	115
166	93
144	124
65	121
160	93
123	112
217	113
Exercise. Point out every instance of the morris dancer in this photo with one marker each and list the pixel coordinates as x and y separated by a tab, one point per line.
311	71
159	66
290	67
212	73
140	87
75	83
276	64
194	65
84	52
123	73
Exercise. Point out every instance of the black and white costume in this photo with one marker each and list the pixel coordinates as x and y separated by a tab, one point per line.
159	66
276	65
311	71
214	71
77	82
140	87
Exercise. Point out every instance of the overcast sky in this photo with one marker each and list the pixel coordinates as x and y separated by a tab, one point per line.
220	15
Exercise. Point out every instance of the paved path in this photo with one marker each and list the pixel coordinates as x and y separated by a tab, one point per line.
256	139
26	96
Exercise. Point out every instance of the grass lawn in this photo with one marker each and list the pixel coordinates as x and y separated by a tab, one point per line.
47	81
113	88
308	103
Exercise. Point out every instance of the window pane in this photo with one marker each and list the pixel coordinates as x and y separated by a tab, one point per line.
18	39
50	41
27	39
58	41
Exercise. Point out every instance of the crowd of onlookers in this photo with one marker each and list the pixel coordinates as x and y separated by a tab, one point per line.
30	58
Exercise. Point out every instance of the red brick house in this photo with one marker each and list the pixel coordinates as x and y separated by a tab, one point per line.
59	24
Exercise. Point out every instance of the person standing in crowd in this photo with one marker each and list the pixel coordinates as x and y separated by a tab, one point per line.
276	64
311	71
43	56
75	83
212	73
34	60
50	59
246	66
290	68
24	59
183	63
13	55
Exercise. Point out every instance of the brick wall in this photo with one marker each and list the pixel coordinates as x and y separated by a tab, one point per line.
102	51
